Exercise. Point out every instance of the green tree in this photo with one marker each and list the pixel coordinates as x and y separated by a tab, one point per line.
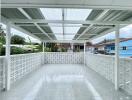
52	47
17	40
2	39
30	42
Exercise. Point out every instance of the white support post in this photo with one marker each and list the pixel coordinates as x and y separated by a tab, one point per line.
72	47
117	40
43	46
8	58
84	52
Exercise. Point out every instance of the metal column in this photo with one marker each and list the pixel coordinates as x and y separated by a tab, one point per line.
84	52
8	58
43	46
72	47
117	40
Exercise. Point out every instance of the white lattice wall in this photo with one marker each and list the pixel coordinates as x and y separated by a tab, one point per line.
104	65
126	74
64	57
24	64
101	64
2	75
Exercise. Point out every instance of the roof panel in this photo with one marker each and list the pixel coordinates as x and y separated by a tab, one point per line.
46	29
57	29
94	14
68	37
12	13
31	29
42	36
71	29
34	13
76	14
70	14
52	13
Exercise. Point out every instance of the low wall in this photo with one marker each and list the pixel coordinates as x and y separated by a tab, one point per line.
2	72
126	74
63	57
104	65
21	65
24	64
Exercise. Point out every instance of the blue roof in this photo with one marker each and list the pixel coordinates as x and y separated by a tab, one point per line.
126	43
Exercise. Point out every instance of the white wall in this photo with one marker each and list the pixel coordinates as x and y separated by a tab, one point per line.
63	57
104	65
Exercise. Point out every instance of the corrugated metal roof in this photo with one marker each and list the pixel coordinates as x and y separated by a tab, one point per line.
31	29
12	13
35	13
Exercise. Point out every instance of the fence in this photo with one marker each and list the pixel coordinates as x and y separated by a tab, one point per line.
104	65
23	64
2	71
63	57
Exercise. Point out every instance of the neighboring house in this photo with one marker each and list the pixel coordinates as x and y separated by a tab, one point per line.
109	47
126	48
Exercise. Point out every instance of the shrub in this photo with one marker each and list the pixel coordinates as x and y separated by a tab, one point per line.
17	50
2	52
17	40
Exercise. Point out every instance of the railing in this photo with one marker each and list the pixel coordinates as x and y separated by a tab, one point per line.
104	65
23	64
2	72
63	57
125	76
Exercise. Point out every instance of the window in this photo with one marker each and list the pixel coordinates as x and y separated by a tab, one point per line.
112	48
124	48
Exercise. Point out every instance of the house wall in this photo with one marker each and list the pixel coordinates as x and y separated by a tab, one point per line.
128	51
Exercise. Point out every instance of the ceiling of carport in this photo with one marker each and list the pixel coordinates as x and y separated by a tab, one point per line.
85	32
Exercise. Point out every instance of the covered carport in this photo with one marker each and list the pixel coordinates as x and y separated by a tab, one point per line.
60	21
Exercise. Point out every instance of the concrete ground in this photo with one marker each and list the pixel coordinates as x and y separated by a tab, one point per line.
63	82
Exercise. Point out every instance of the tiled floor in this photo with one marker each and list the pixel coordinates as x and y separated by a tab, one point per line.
63	82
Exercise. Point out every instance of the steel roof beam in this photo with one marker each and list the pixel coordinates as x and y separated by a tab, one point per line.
16	21
65	41
26	15
63	18
64	34
89	27
5	21
96	26
85	6
110	30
